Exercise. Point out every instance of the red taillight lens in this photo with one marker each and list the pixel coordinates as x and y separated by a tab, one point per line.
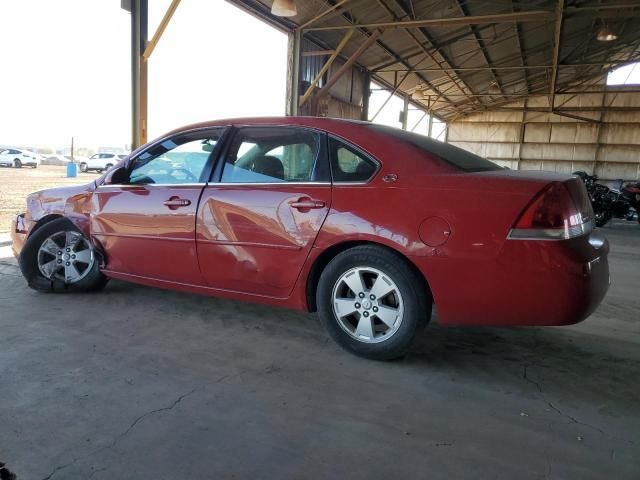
560	211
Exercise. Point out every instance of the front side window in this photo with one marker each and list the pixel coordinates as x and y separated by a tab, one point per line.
349	165
272	155
179	160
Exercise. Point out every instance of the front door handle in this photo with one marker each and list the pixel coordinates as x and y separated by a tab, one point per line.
306	204
177	202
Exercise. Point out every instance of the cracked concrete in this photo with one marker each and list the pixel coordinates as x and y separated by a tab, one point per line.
140	383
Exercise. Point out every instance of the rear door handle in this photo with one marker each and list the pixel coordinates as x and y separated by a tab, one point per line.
176	202
306	204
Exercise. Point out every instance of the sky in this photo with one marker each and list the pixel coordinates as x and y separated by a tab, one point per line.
66	71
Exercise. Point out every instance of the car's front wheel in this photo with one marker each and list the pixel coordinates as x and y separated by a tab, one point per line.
57	257
372	302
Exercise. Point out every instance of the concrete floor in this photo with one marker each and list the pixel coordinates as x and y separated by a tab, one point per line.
136	383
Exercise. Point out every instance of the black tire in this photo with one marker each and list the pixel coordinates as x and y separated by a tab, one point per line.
415	294
83	167
28	261
109	166
17	163
602	219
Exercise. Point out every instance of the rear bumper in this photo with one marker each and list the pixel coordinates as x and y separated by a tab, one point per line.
529	283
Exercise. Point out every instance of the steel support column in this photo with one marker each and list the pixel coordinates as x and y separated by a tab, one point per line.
405	112
139	25
366	95
293	72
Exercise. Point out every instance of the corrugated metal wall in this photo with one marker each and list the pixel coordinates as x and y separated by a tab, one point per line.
345	98
537	140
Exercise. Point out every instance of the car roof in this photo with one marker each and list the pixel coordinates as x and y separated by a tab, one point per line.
321	123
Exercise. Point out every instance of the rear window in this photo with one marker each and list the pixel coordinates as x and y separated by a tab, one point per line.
457	157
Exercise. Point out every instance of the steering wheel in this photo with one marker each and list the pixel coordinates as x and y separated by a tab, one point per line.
190	176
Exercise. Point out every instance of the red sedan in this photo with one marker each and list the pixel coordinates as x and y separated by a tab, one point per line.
369	225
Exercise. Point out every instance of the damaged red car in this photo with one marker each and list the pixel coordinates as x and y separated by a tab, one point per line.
368	225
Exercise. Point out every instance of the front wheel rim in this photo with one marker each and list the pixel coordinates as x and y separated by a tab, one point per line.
367	305
66	256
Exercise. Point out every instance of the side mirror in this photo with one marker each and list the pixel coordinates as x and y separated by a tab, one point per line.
117	176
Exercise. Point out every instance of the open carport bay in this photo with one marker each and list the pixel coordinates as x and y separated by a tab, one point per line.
141	383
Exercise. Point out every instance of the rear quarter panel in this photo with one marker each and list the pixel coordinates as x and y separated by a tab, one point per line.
479	212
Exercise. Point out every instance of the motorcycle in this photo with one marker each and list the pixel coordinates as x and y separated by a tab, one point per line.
631	194
608	203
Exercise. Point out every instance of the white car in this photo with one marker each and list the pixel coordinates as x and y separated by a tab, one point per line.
100	162
15	157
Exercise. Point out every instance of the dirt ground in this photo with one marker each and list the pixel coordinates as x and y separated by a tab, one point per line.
17	183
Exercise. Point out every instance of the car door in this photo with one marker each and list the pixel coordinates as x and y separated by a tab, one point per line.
146	222
259	218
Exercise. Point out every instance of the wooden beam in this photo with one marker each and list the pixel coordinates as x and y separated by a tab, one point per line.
576	117
350	61
530	16
612	63
318	17
556	52
318	53
161	28
325	67
563	109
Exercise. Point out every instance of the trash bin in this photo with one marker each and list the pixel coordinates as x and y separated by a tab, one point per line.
72	169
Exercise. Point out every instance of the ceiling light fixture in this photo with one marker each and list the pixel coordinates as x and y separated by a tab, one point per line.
284	8
605	34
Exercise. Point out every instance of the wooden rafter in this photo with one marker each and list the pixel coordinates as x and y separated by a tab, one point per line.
529	16
557	34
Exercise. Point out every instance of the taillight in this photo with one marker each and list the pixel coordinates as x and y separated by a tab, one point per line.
559	212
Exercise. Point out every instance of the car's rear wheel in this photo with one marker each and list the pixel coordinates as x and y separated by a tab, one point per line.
57	257
372	302
17	163
83	167
109	166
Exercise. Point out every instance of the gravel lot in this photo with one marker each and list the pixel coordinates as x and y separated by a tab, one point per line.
17	183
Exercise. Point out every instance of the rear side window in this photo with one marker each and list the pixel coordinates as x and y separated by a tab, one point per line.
348	164
457	157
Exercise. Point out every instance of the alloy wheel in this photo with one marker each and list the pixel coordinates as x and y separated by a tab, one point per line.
66	256
367	304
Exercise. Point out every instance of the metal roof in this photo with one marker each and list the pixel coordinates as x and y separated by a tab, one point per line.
456	57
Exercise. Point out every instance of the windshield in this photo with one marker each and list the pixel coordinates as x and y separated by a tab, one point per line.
457	157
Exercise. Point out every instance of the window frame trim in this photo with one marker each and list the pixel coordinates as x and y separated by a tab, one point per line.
208	167
377	163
